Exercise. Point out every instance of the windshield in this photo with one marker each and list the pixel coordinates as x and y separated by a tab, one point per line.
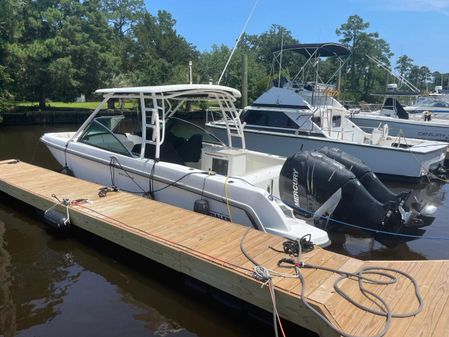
99	134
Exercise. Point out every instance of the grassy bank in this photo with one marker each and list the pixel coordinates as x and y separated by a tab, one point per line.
58	105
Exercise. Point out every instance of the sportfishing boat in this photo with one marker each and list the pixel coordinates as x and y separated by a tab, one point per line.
297	115
402	123
158	155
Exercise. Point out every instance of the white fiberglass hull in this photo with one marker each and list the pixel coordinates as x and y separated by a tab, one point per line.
181	186
440	113
433	130
411	163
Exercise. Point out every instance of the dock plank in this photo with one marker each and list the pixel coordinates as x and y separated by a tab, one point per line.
424	323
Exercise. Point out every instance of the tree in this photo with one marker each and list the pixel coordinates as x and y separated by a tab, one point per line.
94	49
413	75
64	49
424	78
440	79
158	52
211	65
364	76
40	47
263	45
350	32
123	14
404	65
10	26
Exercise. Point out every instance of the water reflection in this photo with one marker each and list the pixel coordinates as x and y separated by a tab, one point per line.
37	278
7	306
23	143
53	287
428	242
47	286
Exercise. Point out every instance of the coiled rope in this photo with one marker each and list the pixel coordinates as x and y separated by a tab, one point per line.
360	276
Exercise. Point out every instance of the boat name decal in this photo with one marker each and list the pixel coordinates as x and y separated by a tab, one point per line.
431	134
219	215
295	187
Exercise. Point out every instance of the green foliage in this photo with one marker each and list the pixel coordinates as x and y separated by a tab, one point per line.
158	53
4	80
351	30
59	49
263	45
64	49
123	14
404	65
363	77
211	65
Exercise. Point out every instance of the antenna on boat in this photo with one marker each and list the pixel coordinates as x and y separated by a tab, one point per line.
238	40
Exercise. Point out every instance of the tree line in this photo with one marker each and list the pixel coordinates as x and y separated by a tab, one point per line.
57	50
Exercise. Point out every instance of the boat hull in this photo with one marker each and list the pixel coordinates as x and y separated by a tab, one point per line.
229	199
382	160
408	128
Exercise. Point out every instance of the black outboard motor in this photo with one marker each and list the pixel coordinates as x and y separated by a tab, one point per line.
366	176
309	179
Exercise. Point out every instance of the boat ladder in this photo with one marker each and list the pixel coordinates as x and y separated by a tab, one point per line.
153	124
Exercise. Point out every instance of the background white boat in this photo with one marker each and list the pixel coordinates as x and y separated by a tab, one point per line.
304	115
437	105
400	122
282	122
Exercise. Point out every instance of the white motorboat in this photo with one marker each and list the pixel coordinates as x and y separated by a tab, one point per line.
154	154
402	123
437	105
298	115
281	122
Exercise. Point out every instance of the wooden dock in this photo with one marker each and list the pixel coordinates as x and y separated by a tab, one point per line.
207	249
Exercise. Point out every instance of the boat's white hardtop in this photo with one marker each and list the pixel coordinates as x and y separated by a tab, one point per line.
173	89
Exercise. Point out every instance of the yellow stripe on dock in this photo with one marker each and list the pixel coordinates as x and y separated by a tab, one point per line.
208	249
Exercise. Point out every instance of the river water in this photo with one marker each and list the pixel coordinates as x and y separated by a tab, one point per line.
81	286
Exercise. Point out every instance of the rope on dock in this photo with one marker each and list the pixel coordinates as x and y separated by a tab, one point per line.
359	276
9	162
65	202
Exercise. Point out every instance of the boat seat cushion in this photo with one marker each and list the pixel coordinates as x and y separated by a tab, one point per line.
168	152
190	150
175	149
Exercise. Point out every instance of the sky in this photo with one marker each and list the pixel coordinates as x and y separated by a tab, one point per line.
416	28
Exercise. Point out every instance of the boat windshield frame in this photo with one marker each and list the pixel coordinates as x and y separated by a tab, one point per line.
108	130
